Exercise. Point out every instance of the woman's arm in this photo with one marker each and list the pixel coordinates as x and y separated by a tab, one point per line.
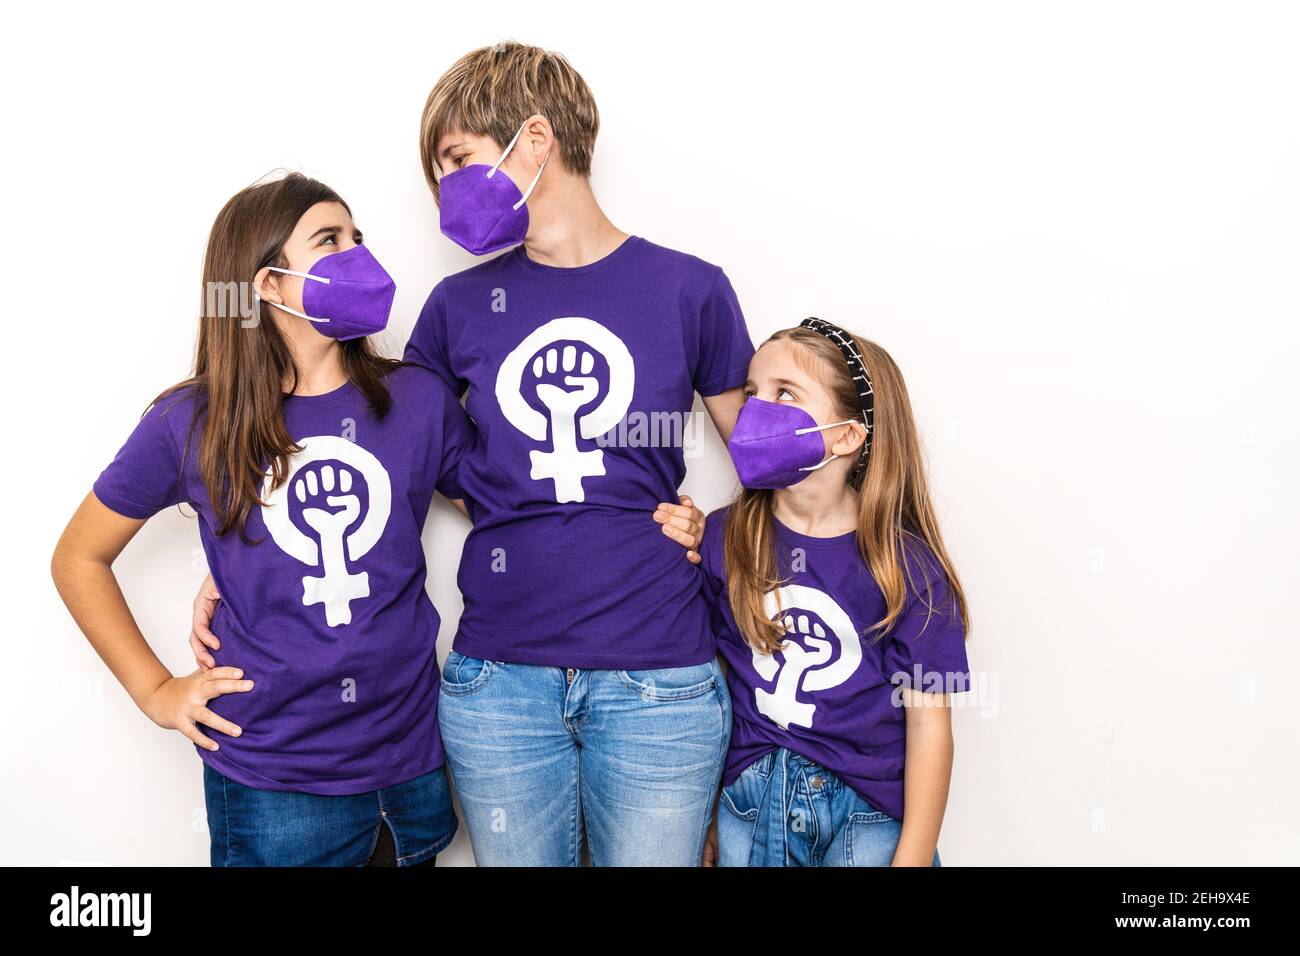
723	409
926	774
684	522
82	568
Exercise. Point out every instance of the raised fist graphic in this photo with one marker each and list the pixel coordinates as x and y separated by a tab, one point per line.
338	588
814	625
565	463
555	366
331	511
805	648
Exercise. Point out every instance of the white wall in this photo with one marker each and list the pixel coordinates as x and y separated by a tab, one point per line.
1074	225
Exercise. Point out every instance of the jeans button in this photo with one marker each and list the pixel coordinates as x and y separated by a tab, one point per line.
816	781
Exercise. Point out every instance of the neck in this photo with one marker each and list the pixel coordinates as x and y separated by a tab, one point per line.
820	506
566	226
317	358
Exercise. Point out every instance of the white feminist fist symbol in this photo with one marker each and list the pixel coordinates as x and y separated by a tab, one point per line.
330	506
565	463
806	656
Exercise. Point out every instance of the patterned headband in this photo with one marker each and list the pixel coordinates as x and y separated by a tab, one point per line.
861	381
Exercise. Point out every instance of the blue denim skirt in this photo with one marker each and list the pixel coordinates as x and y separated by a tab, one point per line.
251	827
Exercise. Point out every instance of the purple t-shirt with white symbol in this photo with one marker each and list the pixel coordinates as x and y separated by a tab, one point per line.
326	612
581	383
831	695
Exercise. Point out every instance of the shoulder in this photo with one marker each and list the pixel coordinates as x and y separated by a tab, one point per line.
414	385
187	396
928	587
469	281
176	409
691	271
159	439
921	568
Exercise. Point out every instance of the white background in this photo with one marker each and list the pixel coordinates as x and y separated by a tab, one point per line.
1075	226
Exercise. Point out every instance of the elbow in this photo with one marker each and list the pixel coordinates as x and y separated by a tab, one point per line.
60	565
64	564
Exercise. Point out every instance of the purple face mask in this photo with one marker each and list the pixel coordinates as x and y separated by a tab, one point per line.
345	295
480	207
776	444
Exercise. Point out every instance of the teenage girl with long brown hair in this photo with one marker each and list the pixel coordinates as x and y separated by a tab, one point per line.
311	462
838	612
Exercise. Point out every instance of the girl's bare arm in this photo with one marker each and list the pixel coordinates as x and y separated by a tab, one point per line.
928	770
82	568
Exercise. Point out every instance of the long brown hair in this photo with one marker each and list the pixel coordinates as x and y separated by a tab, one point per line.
895	520
243	367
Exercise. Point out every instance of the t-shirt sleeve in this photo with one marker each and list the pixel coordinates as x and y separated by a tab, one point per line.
724	345
458	436
926	648
145	477
428	346
712	564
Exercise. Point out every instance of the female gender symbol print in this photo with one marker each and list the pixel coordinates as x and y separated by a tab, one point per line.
322	478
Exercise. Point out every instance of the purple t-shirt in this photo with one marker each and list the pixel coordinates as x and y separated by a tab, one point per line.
830	696
326	612
581	383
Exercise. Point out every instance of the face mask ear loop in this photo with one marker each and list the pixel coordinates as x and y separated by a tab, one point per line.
533	184
820	428
285	308
301	275
506	152
822	464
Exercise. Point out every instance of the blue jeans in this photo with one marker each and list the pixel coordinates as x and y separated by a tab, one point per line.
251	827
537	752
785	810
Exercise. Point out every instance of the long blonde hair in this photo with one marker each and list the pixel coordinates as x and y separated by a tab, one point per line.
895	516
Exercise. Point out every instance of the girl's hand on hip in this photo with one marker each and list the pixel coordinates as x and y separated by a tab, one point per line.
181	703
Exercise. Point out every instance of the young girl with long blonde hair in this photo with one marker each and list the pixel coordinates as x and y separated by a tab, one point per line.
839	615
